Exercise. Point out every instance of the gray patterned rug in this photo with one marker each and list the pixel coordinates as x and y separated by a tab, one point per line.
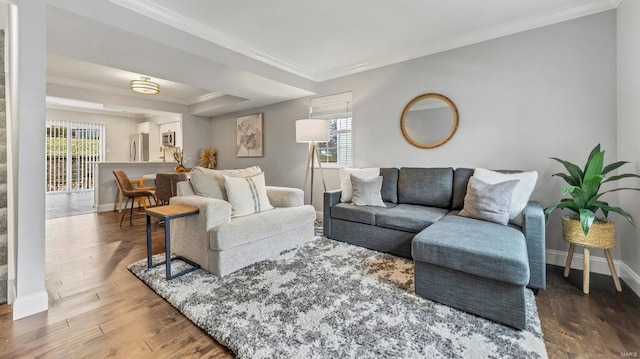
329	299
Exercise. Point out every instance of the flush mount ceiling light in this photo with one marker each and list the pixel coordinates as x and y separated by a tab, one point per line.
145	86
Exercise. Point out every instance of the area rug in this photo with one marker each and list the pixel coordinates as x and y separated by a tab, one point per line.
329	299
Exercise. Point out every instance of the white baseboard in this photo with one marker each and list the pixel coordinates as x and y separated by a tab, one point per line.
25	306
596	265
630	277
107	207
11	291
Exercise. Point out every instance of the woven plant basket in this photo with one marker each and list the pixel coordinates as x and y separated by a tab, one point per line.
601	234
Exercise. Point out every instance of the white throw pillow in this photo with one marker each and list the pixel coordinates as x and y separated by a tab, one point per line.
345	180
247	195
521	193
209	183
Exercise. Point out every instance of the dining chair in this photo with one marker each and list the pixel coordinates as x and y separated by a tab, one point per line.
166	184
131	193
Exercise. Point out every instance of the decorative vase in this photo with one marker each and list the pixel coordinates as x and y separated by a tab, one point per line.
601	234
180	168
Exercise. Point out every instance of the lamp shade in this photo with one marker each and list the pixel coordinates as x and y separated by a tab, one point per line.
312	130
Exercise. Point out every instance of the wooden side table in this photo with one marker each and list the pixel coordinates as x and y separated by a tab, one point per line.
167	213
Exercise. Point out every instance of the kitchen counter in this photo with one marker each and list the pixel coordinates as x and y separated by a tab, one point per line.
106	189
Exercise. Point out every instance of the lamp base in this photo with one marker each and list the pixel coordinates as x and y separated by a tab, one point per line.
311	158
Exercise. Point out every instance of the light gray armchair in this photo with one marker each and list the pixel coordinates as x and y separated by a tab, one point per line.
222	244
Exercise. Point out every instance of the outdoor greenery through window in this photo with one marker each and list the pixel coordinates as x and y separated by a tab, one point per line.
72	150
337	109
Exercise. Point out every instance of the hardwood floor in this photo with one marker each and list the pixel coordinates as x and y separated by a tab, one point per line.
603	324
97	308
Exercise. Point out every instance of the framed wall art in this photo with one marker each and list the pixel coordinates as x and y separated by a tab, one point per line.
249	136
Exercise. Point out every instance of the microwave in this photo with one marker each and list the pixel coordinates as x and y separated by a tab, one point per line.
169	139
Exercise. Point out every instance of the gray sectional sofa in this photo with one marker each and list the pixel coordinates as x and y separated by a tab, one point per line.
477	266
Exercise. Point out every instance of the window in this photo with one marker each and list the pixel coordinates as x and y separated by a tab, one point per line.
337	109
72	150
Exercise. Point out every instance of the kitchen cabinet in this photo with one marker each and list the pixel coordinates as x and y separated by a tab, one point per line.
175	127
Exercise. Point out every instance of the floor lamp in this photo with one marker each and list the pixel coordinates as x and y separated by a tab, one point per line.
312	131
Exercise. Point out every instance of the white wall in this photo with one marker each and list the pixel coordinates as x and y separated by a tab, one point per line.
197	129
117	129
522	99
628	45
162	122
28	138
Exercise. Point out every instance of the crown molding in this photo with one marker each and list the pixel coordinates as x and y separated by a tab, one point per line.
528	23
207	97
104	111
180	22
183	23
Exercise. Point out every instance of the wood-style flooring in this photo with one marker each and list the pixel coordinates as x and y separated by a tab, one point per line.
97	308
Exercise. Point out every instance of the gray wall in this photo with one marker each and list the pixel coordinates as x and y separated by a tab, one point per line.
284	159
522	99
628	38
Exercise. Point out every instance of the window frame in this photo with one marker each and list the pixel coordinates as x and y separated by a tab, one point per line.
336	116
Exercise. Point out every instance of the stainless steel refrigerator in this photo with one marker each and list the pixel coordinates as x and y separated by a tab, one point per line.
139	147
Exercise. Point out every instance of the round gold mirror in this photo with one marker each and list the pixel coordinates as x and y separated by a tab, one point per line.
429	120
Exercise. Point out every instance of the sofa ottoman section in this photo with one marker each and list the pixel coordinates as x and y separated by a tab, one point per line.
475	266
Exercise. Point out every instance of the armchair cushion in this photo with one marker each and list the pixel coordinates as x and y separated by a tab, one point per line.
243	230
285	196
209	183
213	211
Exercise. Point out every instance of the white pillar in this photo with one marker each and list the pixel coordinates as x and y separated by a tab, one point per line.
31	295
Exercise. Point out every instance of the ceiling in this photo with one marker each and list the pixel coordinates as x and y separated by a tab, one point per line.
219	57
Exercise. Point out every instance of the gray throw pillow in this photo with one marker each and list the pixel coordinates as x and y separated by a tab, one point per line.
488	202
366	191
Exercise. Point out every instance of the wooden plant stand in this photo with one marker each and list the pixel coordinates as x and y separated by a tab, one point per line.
601	235
585	273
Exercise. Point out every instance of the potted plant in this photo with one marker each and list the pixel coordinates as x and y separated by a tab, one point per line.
178	156
583	227
583	186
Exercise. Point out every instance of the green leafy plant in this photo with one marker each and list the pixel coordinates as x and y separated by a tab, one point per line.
584	189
